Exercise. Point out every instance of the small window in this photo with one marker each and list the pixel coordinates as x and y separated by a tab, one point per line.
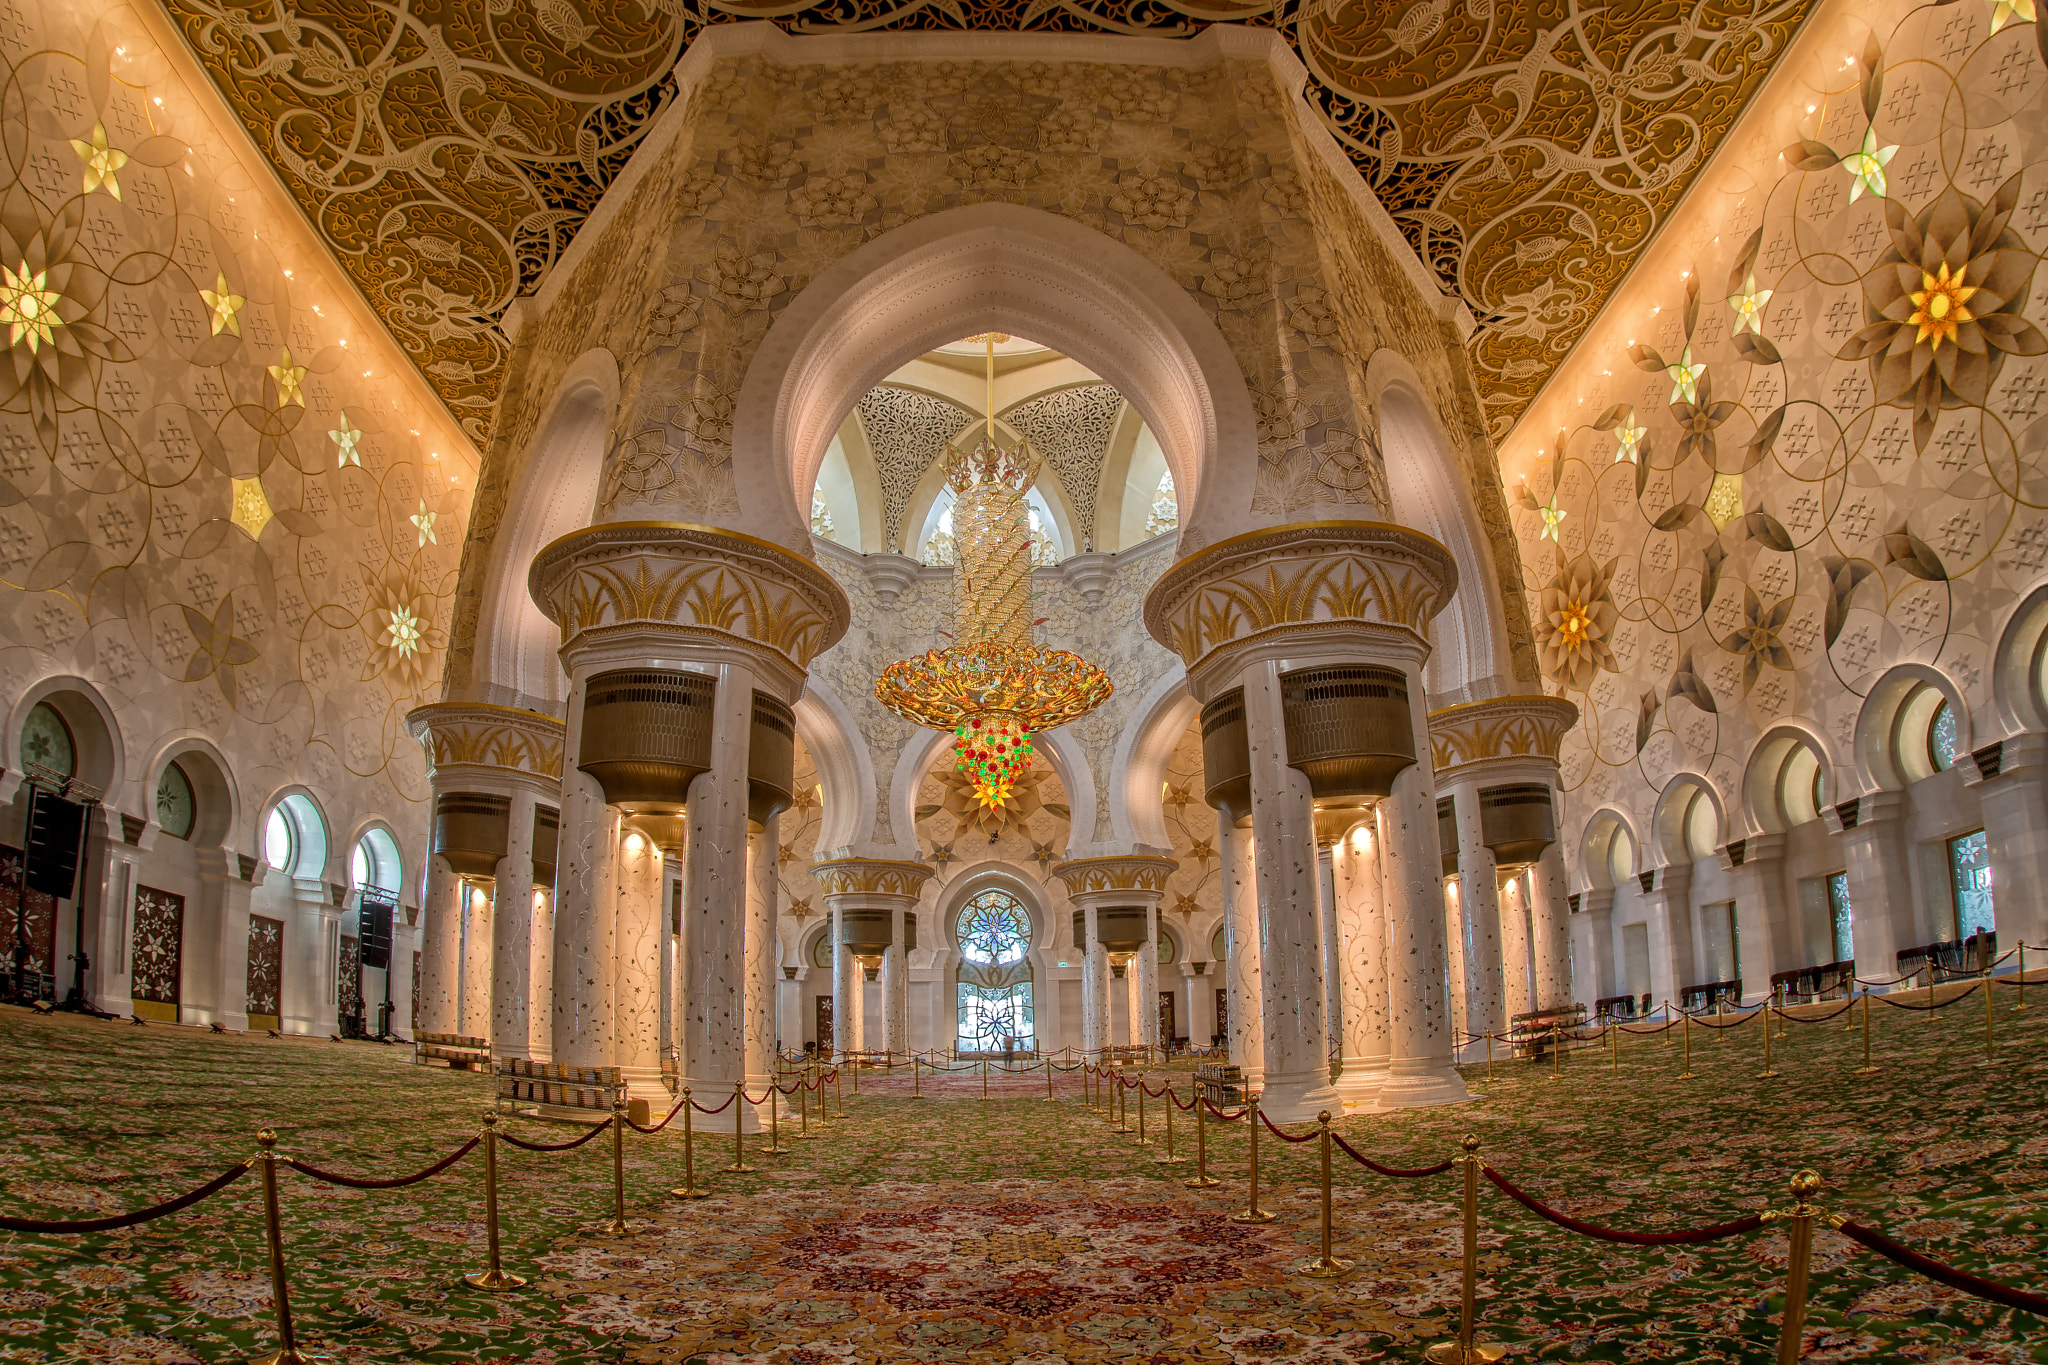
1820	791
278	840
821	950
373	864
1941	738
1169	951
1969	862
1219	944
46	741
175	809
1841	917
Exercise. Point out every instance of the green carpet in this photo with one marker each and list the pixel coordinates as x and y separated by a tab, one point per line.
1017	1232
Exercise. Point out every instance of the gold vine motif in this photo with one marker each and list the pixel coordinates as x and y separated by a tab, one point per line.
1506	727
489	737
872	876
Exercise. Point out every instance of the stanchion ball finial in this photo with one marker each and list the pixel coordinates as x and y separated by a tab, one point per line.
1323	1117
490	1118
1806	1183
266	1137
1470	1142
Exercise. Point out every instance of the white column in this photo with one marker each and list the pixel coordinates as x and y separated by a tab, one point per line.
1147	1018
226	898
1454	953
1241	939
540	1010
476	962
1095	1034
1518	994
896	988
1764	920
1550	930
2015	811
715	948
109	981
1668	910
1297	1060
636	967
1361	922
1419	1067
1876	853
437	1010
1326	927
512	933
1483	932
846	1001
761	955
584	961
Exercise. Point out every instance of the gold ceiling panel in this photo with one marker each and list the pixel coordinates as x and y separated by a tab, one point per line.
447	150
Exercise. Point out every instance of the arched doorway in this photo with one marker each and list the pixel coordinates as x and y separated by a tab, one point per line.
995	1006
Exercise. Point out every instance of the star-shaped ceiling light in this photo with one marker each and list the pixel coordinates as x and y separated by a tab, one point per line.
1685	378
101	161
222	306
1552	516
345	438
289	377
1866	166
28	306
1939	305
252	509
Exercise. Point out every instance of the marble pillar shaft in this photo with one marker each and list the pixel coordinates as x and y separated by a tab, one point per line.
1246	1039
715	976
1518	993
762	950
636	967
474	1014
1095	979
585	962
846	993
438	1009
1361	925
512	934
541	975
896	987
1550	930
1483	934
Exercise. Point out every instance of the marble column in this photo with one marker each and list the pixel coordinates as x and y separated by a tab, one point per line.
439	1010
1201	984
1296	1037
226	896
1876	850
1483	931
1550	929
512	933
1326	927
869	885
541	1009
1361	924
896	988
1667	909
763	950
1763	917
715	973
1593	930
477	934
584	959
640	890
1136	879
1145	1014
1454	955
1518	992
2014	804
1420	1067
1241	943
1094	989
846	992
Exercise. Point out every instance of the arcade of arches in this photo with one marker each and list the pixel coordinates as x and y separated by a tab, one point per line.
1625	602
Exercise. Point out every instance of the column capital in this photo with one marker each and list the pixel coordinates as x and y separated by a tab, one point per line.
841	879
473	743
1473	741
1371	580
1131	878
616	586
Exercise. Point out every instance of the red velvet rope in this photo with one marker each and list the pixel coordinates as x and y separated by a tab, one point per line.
1285	1136
665	1120
128	1220
359	1183
1664	1027
592	1131
1739	1021
1398	1172
1955	1279
1227	1118
1155	1094
1193	1100
719	1110
1922	1009
1747	1223
1818	1018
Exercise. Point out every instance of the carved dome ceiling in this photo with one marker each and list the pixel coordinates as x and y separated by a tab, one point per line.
447	150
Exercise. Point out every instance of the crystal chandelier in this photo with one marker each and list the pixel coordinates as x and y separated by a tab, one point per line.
994	688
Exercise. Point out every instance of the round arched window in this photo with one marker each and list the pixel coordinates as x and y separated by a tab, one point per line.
1941	738
46	741
993	929
278	840
175	807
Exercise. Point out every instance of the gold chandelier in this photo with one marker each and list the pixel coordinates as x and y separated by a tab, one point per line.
994	688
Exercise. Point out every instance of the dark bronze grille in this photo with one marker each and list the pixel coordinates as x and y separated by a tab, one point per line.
771	759
646	735
471	830
1517	822
1227	757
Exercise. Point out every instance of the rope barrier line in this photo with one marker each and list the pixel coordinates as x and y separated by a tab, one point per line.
1785	1017
186	1200
1397	1172
2002	1294
1283	1135
1737	1020
360	1183
1208	1104
702	1109
1937	1005
1748	1223
571	1145
666	1119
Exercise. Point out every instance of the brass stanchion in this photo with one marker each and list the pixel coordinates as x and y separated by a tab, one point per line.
1930	992
856	1077
1799	1255
617	1227
287	1352
1489	1056
1779	991
838	1097
1170	1159
1326	1266
739	1152
774	1147
1251	1212
1768	1070
1667	1019
2021	979
803	1108
1048	1081
1123	1105
1866	1069
493	1277
916	1084
690	1188
1685	1029
1614	1047
1466	1351
984	1078
1987	1016
1143	1141
1556	1051
1201	1179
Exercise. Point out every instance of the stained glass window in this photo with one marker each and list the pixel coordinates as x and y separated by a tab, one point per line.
174	806
46	740
1941	738
1842	917
1969	861
994	930
994	934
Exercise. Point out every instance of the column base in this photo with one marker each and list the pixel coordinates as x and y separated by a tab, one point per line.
1358	1087
1424	1084
1299	1101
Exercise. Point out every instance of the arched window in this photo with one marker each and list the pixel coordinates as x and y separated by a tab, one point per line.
295	837
374	865
1165	511
994	934
176	809
1941	737
46	742
278	844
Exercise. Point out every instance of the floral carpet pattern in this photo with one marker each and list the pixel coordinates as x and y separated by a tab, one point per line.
1017	1232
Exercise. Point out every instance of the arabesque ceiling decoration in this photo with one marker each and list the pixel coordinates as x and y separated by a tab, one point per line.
448	153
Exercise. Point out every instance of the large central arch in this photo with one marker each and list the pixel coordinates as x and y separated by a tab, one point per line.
982	268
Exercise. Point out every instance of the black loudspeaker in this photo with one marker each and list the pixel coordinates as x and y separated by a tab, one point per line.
54	826
373	925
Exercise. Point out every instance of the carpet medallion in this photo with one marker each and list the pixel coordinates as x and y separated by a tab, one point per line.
1008	1272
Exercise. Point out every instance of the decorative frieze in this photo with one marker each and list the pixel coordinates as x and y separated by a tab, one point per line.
869	876
1124	872
464	739
720	585
1314	575
1498	729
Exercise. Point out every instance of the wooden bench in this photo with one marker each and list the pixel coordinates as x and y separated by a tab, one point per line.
460	1053
1615	1006
1221	1084
1805	985
1710	993
552	1085
1533	1034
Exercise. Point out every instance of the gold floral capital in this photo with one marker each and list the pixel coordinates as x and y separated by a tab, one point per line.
723	585
869	877
1140	872
1313	575
1499	728
474	736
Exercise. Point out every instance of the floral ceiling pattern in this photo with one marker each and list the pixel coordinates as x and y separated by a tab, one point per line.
449	153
